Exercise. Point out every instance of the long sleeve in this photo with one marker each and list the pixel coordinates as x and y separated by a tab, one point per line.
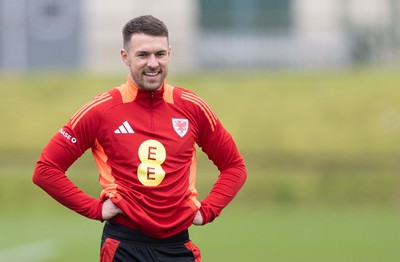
49	174
232	177
64	148
221	149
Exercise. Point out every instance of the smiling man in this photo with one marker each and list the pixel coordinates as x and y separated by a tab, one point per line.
142	135
146	56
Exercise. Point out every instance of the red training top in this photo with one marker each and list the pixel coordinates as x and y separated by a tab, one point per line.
144	147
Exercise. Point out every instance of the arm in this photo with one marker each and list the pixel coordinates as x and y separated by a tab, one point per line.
233	175
63	150
49	174
220	147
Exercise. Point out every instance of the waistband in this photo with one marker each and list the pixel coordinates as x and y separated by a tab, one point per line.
123	233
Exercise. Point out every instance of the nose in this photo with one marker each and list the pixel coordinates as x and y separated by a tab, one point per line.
152	62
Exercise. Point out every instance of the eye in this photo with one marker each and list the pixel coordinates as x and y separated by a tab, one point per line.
141	55
161	54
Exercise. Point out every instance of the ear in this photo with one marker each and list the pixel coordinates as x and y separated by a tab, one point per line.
169	51
125	57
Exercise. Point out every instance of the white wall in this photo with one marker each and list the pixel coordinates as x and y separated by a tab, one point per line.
320	37
338	31
375	13
319	32
105	19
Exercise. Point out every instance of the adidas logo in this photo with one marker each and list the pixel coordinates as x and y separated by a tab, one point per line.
125	128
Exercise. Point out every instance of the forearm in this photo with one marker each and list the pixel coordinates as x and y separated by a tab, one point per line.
62	189
228	184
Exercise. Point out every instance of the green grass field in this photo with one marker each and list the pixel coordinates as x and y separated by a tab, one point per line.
322	154
240	234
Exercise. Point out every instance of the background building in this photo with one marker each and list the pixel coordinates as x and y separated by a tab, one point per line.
204	34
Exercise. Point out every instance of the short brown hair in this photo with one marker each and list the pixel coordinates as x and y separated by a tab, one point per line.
145	24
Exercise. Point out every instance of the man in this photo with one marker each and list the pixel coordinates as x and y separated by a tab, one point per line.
142	135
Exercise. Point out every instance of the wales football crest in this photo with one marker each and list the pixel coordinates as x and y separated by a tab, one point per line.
181	126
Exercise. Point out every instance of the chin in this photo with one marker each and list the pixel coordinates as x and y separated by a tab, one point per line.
152	87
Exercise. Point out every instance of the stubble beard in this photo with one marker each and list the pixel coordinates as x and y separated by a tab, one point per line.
152	84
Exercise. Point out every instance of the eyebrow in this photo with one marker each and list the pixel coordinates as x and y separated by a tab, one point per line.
148	52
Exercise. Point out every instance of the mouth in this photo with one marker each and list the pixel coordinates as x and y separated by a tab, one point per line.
151	74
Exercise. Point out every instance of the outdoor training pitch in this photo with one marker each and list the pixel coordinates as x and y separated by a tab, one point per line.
322	151
240	234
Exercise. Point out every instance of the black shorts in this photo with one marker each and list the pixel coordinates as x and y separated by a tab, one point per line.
121	244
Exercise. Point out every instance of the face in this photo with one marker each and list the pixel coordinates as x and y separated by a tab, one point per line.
147	58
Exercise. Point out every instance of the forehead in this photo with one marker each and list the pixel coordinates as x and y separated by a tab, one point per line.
143	42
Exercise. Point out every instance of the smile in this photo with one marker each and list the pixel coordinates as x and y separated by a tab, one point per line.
151	73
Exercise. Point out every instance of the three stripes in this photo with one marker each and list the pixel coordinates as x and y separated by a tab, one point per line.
81	112
125	128
212	118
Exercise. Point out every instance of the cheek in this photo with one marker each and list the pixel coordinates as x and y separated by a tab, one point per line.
137	64
163	63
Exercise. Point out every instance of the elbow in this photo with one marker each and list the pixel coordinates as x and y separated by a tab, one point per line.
243	173
41	174
36	177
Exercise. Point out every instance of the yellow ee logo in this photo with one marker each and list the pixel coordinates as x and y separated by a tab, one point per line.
151	154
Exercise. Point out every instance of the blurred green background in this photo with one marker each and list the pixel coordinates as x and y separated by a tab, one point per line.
322	152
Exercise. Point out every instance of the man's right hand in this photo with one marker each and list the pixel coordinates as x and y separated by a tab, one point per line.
110	210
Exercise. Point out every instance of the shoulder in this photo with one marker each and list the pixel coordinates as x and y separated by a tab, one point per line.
193	102
188	97
97	106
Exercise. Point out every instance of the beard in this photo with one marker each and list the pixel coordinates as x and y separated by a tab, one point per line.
149	80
